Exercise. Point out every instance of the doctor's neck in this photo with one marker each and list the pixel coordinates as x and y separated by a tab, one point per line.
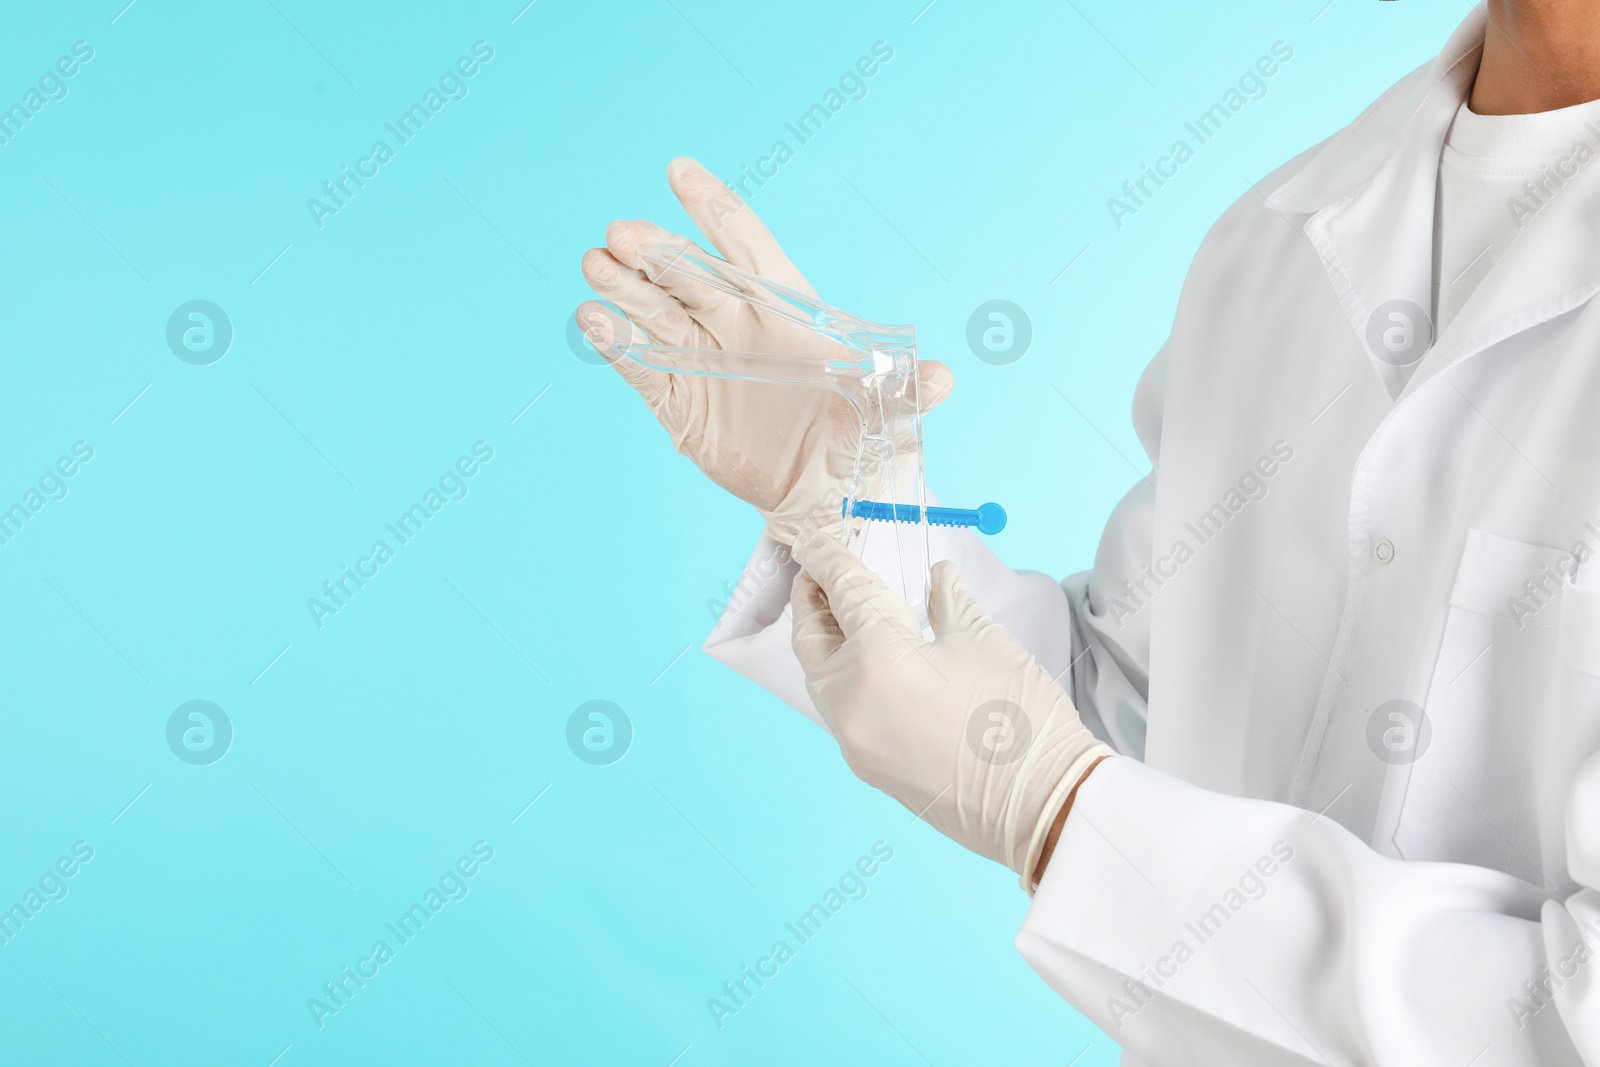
1538	55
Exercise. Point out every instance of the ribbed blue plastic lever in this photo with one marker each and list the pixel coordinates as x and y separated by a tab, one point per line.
986	518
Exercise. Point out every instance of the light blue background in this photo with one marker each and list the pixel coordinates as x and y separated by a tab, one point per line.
422	318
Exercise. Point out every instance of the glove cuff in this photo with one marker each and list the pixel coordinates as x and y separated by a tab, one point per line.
1070	779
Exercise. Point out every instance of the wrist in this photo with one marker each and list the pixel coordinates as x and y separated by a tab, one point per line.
1052	826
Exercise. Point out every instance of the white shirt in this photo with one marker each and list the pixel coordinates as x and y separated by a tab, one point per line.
1496	173
1358	816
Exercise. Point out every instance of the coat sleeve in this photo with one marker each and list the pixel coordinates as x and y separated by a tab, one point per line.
1196	927
1102	660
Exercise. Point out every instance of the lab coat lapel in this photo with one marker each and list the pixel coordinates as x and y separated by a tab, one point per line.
1370	195
1366	204
1551	267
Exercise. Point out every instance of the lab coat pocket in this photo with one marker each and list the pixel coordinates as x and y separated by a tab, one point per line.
1465	783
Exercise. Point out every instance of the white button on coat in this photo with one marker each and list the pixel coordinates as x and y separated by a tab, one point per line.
1276	875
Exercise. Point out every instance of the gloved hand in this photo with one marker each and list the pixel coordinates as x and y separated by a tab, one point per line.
966	730
782	448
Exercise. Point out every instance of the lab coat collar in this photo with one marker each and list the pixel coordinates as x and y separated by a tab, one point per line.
1548	269
1366	204
1351	159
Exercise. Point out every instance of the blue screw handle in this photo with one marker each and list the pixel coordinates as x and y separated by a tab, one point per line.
987	518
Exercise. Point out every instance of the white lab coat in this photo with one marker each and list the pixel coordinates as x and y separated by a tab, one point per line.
1282	874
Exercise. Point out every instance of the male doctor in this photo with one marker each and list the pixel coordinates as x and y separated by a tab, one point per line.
1306	768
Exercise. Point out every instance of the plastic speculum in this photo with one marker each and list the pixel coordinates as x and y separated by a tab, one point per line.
871	365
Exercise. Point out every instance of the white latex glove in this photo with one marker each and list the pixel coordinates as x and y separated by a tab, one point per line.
784	449
966	730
